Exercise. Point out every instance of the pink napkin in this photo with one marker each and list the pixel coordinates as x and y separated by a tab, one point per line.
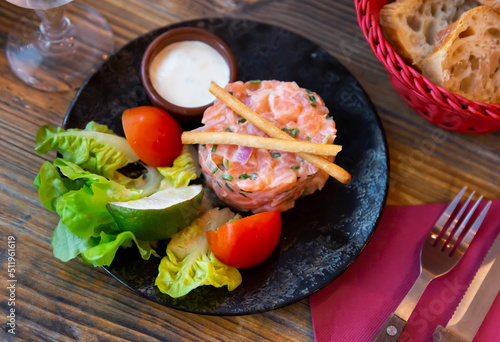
355	305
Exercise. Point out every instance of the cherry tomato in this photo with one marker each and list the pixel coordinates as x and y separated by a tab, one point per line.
248	241
153	134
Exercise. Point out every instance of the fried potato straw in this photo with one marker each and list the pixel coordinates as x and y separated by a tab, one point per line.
332	169
226	138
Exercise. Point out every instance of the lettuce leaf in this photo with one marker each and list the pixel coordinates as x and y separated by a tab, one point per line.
86	227
181	172
104	253
66	245
96	148
51	186
84	210
97	251
189	263
97	127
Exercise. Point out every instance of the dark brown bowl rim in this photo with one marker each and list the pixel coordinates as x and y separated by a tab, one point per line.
178	35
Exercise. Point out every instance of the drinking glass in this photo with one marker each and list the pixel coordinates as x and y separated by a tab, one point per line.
57	48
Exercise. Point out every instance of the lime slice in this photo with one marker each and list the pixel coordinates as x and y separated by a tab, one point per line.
160	215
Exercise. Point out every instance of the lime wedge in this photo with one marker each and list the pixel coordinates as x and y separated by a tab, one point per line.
160	215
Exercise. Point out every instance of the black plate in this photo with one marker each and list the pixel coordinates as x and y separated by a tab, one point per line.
326	231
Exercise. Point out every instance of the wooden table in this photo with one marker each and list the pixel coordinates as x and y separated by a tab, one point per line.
58	301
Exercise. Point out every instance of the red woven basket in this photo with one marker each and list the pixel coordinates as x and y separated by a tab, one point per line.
439	106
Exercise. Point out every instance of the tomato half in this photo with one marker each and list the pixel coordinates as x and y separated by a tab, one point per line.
153	134
248	241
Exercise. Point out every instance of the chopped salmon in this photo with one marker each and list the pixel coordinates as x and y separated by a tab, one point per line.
257	179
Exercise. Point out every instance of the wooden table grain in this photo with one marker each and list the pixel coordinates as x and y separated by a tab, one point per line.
72	301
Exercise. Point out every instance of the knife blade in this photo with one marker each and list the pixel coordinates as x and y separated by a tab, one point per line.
476	302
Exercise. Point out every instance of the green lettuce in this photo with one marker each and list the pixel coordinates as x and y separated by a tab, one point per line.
51	186
189	263
181	172
86	227
96	148
104	253
84	210
96	251
66	245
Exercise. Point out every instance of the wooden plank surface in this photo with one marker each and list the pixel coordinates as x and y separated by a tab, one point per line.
72	301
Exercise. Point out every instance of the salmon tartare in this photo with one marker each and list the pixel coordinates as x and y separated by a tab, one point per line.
257	179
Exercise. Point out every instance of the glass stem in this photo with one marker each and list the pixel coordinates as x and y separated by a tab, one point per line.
56	32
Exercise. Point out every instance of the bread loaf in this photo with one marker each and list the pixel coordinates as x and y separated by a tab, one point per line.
466	57
495	4
410	26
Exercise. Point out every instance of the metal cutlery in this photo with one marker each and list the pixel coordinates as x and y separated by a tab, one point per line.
440	253
476	302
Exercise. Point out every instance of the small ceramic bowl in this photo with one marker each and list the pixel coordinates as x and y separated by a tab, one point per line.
185	114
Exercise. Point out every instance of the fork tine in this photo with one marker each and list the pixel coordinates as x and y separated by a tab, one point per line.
464	244
456	236
437	229
447	235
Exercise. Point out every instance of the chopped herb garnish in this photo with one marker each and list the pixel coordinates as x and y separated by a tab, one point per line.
227	177
255	82
308	91
228	129
308	138
203	145
214	170
313	105
243	176
312	98
295	167
330	118
248	192
253	176
214	148
242	194
294	132
219	184
231	92
243	120
276	155
289	199
227	164
227	186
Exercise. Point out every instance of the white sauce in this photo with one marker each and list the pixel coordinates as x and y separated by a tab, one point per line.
181	73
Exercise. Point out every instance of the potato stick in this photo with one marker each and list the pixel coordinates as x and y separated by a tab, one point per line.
228	138
332	169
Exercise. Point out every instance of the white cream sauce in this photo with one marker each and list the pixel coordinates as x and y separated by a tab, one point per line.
181	73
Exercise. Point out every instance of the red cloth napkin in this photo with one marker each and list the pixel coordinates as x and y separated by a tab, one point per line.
354	306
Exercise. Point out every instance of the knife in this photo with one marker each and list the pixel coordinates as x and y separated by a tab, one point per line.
476	302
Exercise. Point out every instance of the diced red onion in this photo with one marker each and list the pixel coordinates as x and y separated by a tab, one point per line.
243	154
210	164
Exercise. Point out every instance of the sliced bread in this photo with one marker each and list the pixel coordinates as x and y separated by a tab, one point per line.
495	4
411	25
466	57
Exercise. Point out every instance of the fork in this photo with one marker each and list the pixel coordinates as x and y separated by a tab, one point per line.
439	254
